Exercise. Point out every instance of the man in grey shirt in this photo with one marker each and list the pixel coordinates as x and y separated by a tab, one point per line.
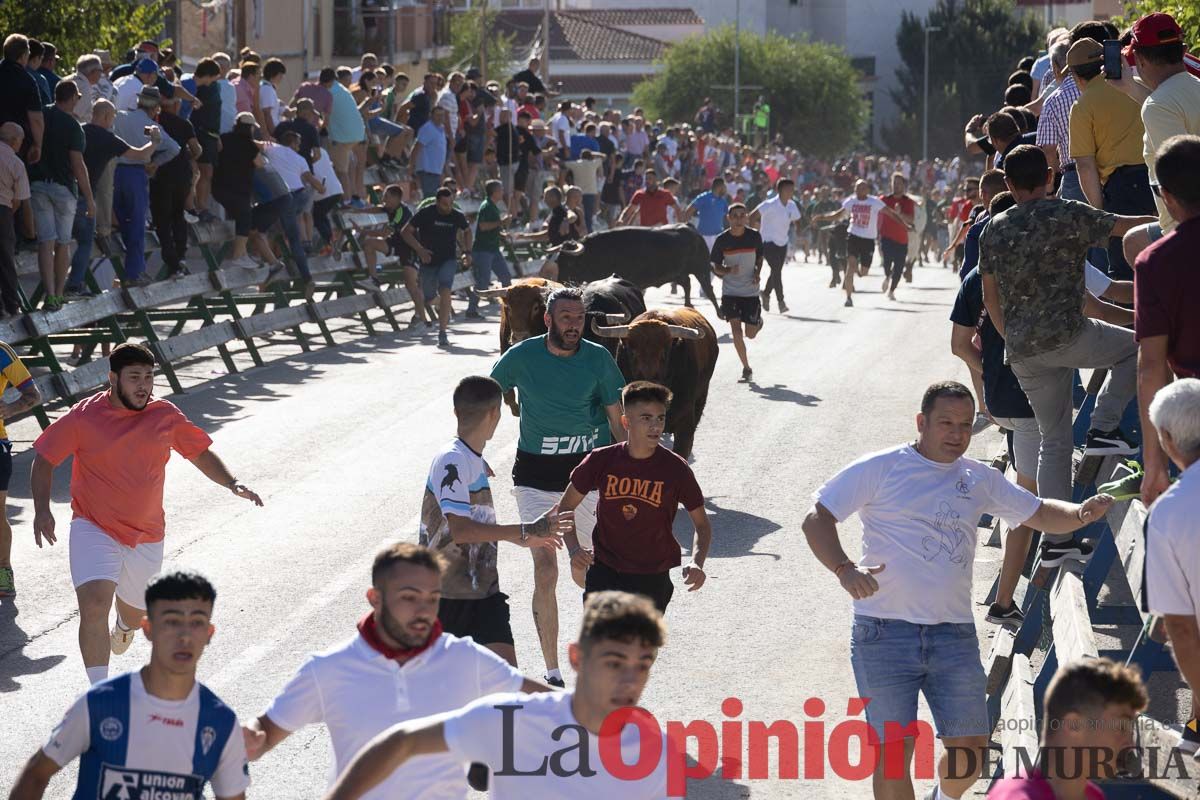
131	181
737	257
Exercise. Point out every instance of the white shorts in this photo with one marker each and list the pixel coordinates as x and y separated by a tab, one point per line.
1027	443
96	556
709	241
532	503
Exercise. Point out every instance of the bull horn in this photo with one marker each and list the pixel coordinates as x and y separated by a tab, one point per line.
571	248
616	319
610	331
501	291
554	248
684	332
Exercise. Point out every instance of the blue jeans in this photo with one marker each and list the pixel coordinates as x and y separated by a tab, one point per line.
290	220
131	203
589	209
894	661
1070	189
84	233
437	276
1126	192
483	264
430	183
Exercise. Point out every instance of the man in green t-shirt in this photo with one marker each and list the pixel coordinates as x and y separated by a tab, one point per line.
486	257
570	395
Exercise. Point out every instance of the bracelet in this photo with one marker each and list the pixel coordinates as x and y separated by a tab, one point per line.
571	552
524	533
837	571
232	484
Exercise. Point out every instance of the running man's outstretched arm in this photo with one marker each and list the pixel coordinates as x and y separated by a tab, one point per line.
545	531
693	572
215	470
34	778
386	753
41	479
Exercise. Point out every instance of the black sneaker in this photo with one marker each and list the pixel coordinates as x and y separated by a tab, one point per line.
1109	443
998	615
1055	553
557	683
477	777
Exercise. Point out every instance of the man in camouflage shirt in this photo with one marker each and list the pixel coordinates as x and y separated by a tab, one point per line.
1031	258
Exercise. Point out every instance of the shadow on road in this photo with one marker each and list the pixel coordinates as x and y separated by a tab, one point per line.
735	533
714	787
814	319
782	394
13	662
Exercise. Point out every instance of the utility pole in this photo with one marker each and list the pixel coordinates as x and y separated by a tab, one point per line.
925	104
737	62
483	5
546	44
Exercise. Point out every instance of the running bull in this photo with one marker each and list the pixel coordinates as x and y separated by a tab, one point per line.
643	256
674	347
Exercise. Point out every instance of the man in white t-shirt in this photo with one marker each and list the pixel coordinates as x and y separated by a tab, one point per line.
141	732
268	94
1172	535
773	218
560	129
914	630
863	211
401	654
535	745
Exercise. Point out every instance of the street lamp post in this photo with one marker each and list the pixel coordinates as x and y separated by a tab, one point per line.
925	104
737	59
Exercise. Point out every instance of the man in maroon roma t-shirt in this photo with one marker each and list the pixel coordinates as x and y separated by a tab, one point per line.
641	485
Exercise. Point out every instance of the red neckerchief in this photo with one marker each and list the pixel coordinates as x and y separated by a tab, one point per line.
367	629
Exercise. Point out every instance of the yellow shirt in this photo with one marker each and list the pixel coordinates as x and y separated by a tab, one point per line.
1106	125
12	373
1172	109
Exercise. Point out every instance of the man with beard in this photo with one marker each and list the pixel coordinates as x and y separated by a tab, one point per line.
617	647
570	395
401	654
121	439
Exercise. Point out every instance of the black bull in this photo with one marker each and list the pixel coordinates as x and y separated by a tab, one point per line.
644	256
611	301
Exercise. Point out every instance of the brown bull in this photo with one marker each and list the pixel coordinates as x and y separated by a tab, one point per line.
522	310
674	347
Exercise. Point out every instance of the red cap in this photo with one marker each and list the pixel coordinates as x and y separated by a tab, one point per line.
1155	29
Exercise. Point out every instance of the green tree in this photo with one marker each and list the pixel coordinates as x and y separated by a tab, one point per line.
80	26
970	59
1185	12
466	30
815	99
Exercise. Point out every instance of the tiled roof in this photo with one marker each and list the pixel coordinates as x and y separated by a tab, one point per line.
634	17
576	36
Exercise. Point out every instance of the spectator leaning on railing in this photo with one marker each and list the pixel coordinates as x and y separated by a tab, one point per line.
1172	554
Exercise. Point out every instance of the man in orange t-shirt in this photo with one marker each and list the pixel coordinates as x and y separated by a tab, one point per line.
121	439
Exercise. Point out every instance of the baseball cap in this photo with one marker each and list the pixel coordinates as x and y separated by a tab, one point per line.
1084	52
145	65
149	96
1155	29
245	118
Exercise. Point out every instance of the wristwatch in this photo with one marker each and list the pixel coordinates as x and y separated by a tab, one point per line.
524	533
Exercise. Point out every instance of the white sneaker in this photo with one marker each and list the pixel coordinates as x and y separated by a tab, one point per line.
241	262
121	639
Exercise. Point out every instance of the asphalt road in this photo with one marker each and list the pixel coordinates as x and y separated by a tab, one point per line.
338	442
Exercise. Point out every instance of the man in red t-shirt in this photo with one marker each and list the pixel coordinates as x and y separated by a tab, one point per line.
641	484
894	234
121	439
649	204
1166	287
1090	712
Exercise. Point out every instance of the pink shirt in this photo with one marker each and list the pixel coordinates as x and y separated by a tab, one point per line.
14	181
120	462
245	94
1034	787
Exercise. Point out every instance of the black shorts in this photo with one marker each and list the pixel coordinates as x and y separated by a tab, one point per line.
5	464
657	586
746	309
860	248
485	620
208	148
